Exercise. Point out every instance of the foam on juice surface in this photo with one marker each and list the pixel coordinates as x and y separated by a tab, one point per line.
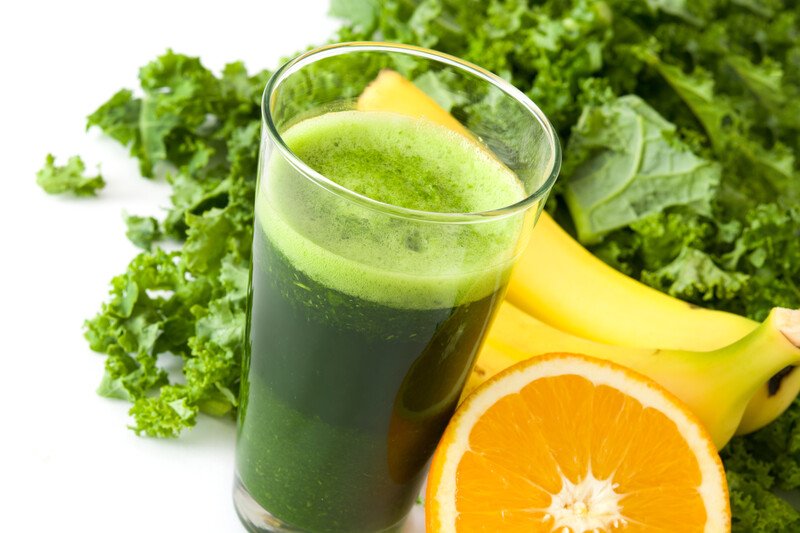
402	161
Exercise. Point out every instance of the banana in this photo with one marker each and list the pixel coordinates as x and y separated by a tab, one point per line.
771	400
391	91
716	385
563	284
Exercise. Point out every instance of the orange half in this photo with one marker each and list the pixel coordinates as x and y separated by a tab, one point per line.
570	444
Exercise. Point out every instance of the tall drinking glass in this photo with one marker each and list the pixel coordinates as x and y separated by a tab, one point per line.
383	243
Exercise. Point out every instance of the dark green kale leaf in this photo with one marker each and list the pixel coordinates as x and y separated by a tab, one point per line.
119	119
131	324
768	251
654	241
754	172
693	276
763	472
754	507
69	178
624	163
204	131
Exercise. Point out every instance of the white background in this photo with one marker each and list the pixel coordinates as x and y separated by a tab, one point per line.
67	461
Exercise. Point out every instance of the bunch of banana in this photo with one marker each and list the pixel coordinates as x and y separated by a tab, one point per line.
576	292
735	374
716	385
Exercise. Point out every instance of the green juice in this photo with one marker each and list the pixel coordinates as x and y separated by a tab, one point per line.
363	327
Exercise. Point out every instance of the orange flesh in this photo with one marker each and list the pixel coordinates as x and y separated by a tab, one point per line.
506	478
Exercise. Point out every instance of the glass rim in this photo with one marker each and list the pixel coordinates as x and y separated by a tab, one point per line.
336	49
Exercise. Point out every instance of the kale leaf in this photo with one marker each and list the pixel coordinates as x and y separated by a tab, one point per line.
625	164
69	178
183	309
142	231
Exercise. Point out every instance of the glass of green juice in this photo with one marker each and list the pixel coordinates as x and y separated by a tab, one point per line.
383	241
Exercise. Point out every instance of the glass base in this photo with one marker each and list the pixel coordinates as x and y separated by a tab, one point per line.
256	519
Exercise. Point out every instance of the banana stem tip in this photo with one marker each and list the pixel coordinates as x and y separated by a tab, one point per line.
788	323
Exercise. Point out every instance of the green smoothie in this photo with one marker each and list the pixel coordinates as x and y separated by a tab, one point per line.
363	327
